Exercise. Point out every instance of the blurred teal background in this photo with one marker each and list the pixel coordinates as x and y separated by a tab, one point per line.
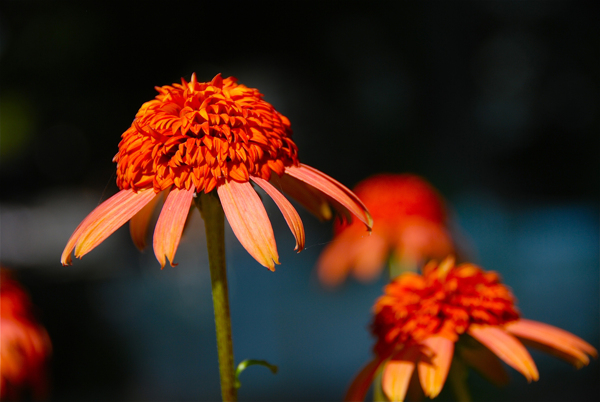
495	103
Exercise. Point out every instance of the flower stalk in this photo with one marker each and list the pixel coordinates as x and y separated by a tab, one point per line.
214	223
458	377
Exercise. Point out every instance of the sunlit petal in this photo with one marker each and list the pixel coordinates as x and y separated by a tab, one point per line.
333	189
289	212
362	382
138	224
170	224
105	220
554	340
507	348
249	221
397	373
433	371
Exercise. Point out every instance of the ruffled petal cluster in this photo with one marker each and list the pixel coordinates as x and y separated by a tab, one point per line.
411	226
203	137
203	134
445	301
423	322
24	345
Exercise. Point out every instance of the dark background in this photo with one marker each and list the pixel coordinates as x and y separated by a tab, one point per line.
495	103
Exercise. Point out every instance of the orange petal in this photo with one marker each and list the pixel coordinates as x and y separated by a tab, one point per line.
370	257
138	224
362	382
289	212
104	221
249	221
336	259
310	198
554	340
484	361
506	347
397	373
433	371
333	189
170	224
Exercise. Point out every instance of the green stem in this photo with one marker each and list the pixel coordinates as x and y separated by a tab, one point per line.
458	377
214	223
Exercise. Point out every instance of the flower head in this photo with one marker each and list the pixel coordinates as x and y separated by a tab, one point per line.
411	223
422	319
198	137
24	344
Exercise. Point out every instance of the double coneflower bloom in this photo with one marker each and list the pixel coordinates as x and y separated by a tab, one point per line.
411	227
423	322
24	345
198	137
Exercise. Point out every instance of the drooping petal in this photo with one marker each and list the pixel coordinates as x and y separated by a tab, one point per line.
370	258
336	259
554	340
289	212
362	382
484	361
249	221
138	224
398	371
333	189
170	224
105	220
306	195
433	373
507	348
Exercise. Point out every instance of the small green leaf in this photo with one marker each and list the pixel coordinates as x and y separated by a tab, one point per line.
250	362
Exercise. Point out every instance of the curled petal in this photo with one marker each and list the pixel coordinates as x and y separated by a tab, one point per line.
138	224
311	199
554	340
333	189
289	212
362	382
170	224
485	362
507	348
433	371
249	221
104	221
397	373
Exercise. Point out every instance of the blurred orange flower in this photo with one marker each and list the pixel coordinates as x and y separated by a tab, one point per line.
422	319
24	345
410	221
221	136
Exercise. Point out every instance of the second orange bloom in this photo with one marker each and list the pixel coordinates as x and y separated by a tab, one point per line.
410	226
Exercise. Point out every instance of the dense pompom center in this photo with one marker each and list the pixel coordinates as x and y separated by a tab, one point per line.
202	134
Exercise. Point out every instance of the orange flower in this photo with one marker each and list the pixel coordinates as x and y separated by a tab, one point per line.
421	320
410	218
24	345
219	136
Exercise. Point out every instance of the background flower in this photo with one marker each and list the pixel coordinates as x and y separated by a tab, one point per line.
411	228
24	345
